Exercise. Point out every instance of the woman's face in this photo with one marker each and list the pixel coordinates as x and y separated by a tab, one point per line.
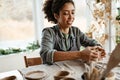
66	15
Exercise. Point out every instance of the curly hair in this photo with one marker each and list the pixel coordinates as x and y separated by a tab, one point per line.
54	6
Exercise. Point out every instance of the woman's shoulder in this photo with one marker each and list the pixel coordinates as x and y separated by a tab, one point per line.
48	29
53	28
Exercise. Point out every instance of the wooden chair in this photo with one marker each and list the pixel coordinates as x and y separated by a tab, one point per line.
32	61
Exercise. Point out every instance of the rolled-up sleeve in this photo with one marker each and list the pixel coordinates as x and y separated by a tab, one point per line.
47	44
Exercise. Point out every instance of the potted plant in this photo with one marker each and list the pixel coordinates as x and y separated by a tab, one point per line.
118	26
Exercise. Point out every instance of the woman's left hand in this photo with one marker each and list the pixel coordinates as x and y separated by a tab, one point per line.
100	51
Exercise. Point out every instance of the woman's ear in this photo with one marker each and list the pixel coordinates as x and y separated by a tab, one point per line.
56	16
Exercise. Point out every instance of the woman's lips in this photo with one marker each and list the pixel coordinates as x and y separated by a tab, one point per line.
69	22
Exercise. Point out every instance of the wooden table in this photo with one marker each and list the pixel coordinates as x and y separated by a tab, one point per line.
75	67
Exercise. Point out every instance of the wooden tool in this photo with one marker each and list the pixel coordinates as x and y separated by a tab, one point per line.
113	60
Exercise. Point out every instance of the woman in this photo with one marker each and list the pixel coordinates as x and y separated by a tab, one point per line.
63	41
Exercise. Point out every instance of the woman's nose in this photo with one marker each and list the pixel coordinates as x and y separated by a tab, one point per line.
71	16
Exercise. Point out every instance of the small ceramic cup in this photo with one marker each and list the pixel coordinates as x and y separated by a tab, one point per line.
9	78
61	74
110	76
68	78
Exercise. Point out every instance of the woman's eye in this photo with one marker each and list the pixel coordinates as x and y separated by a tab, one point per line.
65	13
73	13
68	13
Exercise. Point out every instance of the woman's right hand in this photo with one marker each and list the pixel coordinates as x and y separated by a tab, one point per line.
89	54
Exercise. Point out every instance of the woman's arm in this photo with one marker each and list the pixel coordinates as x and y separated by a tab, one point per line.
86	41
88	54
47	45
66	55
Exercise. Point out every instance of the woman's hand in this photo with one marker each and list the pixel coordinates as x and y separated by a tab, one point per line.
89	54
92	53
100	51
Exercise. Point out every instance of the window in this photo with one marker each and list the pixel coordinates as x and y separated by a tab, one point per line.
16	23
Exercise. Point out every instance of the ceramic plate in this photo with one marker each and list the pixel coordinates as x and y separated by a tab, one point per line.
35	75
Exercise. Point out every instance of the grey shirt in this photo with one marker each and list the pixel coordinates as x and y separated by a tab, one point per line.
53	40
